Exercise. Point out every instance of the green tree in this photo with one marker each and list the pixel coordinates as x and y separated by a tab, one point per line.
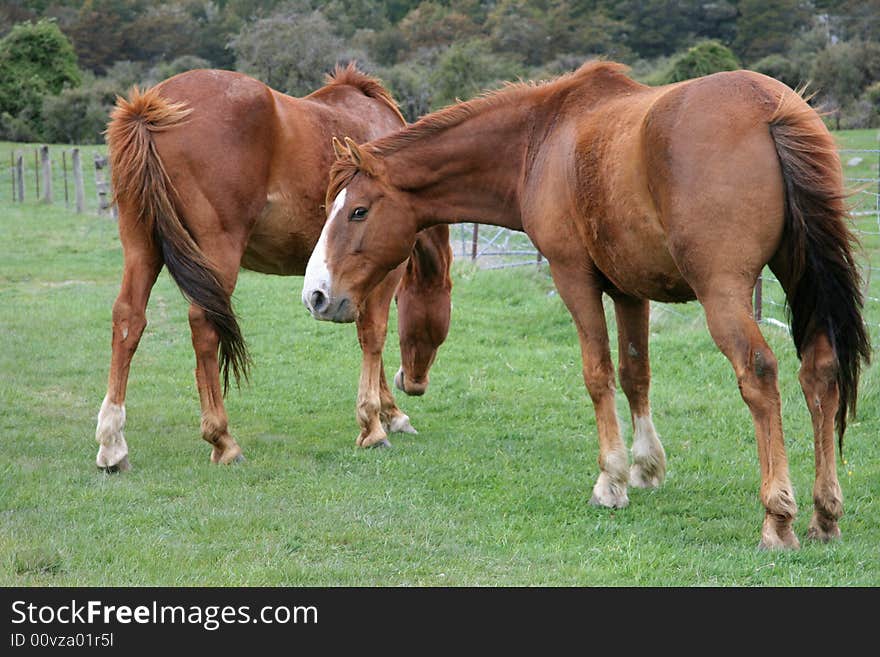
75	116
467	68
289	51
161	32
841	73
410	85
655	27
518	27
348	16
780	67
702	59
431	25
36	60
765	28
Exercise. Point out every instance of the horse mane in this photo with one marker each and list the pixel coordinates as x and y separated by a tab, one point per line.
350	75
344	169
457	113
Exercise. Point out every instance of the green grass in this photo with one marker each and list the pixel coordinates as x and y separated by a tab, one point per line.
493	491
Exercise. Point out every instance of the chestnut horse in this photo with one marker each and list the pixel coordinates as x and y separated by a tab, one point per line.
668	193
212	171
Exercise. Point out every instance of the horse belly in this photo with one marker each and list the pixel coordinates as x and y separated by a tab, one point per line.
630	250
280	242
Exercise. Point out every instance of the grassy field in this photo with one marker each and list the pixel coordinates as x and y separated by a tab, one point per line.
493	491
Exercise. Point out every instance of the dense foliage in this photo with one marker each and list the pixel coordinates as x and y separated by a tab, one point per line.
79	54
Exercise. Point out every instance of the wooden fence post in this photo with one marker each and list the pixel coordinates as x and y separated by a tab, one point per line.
64	172
475	242
101	186
12	173
78	190
19	174
46	167
37	172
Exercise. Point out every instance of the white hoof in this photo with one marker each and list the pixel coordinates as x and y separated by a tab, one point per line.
113	449
649	459
110	456
641	478
609	493
401	424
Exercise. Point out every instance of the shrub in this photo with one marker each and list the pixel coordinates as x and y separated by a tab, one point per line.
702	59
36	60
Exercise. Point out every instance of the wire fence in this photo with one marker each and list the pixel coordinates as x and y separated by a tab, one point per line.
79	177
490	247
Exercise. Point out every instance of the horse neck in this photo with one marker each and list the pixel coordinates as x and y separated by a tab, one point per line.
467	172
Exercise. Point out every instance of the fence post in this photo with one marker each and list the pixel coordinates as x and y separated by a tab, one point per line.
64	171
37	172
538	259
12	173
46	166
474	244
19	177
78	190
101	186
759	298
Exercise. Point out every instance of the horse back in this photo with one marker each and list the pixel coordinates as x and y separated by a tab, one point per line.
659	174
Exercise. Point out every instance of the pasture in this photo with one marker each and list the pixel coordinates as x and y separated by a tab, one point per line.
493	491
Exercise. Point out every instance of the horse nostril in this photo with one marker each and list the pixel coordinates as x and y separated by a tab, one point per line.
318	300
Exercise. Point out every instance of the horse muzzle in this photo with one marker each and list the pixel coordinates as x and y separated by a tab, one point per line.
408	385
327	308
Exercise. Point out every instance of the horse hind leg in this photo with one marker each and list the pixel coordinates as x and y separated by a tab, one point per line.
215	422
142	265
648	467
734	330
818	378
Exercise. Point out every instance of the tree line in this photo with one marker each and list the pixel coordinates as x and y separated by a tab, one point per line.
62	62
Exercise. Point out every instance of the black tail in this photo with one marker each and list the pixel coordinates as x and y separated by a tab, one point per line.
140	181
825	287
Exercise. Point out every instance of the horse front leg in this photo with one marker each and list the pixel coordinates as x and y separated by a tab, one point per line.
583	296
377	412
634	370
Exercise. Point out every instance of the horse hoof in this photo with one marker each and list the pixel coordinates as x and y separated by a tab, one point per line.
822	535
610	502
382	444
229	456
609	493
640	477
777	534
122	466
401	424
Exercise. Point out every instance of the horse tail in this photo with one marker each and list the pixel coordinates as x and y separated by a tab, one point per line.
141	182
824	283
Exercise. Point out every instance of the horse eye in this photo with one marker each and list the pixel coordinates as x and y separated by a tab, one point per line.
358	214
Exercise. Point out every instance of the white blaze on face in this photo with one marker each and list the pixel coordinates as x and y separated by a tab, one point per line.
317	274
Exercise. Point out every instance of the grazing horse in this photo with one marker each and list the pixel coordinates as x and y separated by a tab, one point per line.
668	193
213	171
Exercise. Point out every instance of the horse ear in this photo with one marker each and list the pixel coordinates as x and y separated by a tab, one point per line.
340	150
362	159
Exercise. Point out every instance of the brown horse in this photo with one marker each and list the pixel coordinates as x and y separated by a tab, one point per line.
668	193
213	171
